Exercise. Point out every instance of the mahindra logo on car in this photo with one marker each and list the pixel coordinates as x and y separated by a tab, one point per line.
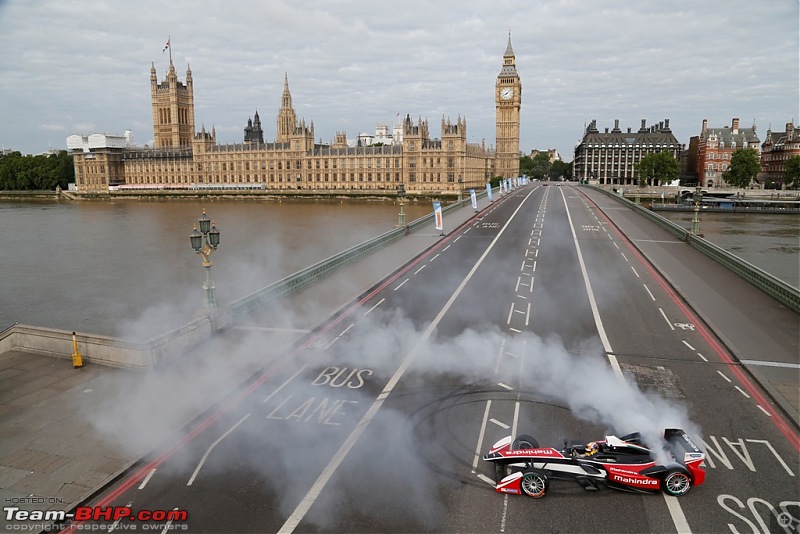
628	480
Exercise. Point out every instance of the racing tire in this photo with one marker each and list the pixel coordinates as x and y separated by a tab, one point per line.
676	482
524	441
534	484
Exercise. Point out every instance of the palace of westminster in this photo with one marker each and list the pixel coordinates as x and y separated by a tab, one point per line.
184	158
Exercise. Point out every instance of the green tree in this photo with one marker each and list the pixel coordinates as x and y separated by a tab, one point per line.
561	168
745	166
791	173
661	166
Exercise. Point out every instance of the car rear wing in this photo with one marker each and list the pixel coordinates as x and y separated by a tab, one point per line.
682	447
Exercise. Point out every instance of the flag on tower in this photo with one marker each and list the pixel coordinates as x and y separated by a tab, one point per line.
165	47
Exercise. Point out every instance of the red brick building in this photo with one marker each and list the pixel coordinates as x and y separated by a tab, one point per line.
715	147
777	148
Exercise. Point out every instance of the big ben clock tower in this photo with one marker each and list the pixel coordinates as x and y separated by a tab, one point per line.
508	98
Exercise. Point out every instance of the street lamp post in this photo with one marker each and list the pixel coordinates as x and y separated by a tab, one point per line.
204	243
698	196
460	189
401	193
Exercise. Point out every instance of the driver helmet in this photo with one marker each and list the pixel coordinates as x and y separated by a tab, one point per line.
592	448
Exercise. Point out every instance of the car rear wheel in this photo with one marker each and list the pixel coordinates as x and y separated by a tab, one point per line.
524	441
534	484
676	483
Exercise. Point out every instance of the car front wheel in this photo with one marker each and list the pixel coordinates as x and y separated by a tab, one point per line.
676	483
534	484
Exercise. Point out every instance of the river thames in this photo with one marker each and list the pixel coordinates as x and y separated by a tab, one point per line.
126	268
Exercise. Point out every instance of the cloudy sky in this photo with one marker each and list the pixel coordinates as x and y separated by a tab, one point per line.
83	66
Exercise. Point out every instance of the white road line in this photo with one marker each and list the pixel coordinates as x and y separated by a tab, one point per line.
418	270
347	329
445	248
522	268
168	524
456	239
674	507
515	422
115	523
268	397
505	386
664	315
615	244
211	448
433	258
487	480
723	376
537	253
531	286
742	391
500	356
510	313
534	266
515	330
479	447
372	308
771	364
704	358
769	415
538	241
500	424
147	478
624	256
305	504
528	315
648	292
511	354
687	344
634	272
401	284
772	449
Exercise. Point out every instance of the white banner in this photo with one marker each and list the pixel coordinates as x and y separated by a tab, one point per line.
437	216
474	199
489	191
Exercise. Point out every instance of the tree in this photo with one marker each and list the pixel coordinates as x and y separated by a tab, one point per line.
791	173
745	166
561	168
661	166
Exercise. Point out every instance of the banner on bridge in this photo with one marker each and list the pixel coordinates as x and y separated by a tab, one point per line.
437	216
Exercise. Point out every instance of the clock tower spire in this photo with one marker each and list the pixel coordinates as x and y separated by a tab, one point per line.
508	99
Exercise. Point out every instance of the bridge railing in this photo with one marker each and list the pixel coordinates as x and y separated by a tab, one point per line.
785	293
305	277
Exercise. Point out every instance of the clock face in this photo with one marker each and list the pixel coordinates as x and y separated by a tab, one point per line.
506	93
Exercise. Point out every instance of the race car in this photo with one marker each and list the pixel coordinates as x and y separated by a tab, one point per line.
522	467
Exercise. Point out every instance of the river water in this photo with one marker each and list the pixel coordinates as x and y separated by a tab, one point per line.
125	267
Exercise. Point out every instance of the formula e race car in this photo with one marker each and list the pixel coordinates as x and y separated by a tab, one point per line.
625	463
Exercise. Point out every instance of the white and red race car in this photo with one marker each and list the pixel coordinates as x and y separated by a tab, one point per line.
522	467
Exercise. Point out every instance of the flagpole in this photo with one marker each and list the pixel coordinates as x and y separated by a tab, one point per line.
169	43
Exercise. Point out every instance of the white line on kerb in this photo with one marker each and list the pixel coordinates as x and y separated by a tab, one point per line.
305	504
674	507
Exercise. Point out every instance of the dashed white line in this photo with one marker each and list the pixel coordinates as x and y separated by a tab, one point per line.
147	478
115	523
687	344
500	424
418	270
433	258
528	315
648	292
347	329
510	313
634	272
624	256
479	446
168	524
768	415
372	308
445	248
515	330
401	284
519	279
456	239
664	315
615	244
505	386
723	376
703	357
742	391
487	480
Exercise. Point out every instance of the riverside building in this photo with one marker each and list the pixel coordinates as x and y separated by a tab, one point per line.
186	158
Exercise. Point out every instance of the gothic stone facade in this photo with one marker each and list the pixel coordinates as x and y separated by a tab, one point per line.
184	159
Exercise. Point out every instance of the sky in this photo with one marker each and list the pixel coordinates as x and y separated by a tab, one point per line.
83	67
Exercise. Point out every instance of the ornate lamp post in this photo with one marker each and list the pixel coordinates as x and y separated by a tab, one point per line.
401	193
698	197
204	243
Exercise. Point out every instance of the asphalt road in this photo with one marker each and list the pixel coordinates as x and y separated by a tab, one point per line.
537	317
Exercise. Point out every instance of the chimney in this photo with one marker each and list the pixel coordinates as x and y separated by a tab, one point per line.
629	129
643	128
705	125
735	125
606	130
